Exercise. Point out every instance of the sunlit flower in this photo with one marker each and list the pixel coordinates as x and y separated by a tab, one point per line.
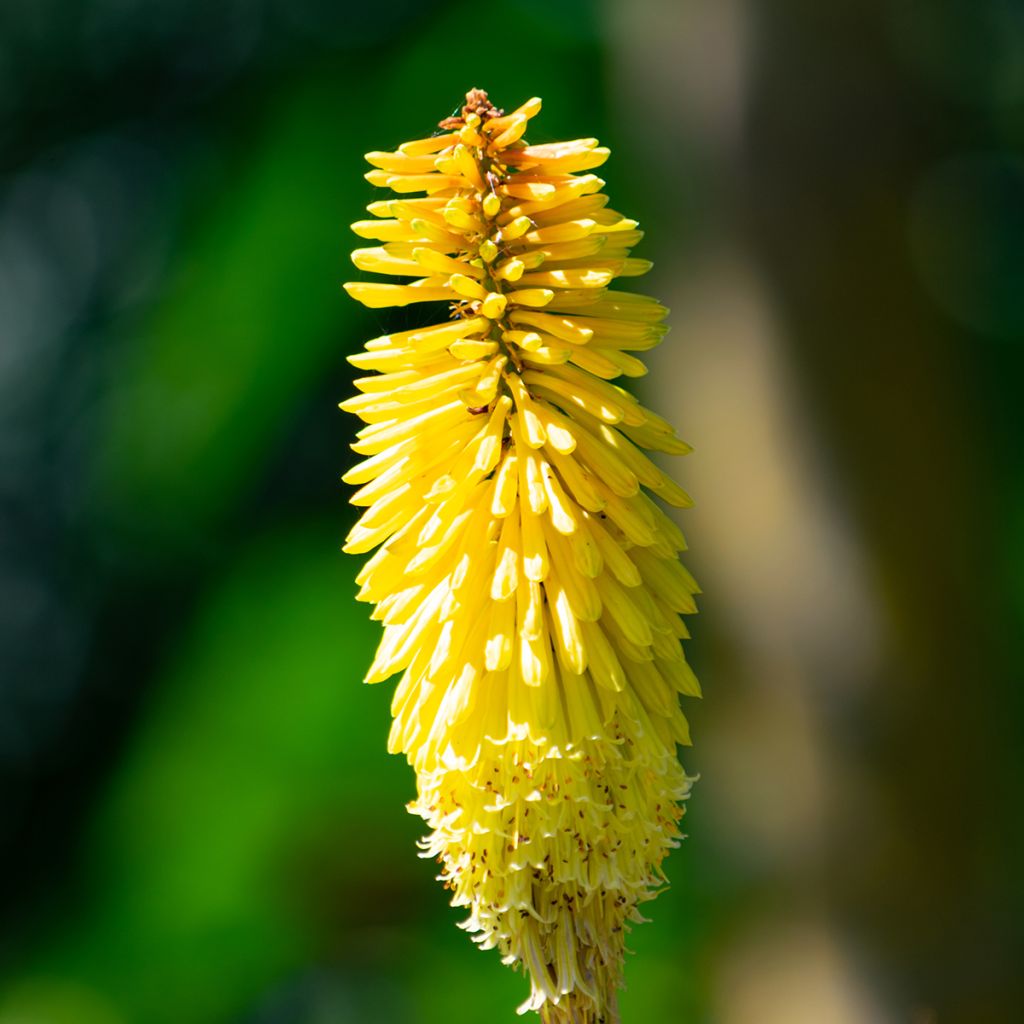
528	585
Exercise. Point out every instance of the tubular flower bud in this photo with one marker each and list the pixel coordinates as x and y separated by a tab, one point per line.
528	584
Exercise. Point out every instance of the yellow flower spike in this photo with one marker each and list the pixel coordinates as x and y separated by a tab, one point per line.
527	584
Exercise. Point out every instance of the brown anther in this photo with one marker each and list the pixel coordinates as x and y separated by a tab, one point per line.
476	103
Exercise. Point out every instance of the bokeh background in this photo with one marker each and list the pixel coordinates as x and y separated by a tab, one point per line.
199	823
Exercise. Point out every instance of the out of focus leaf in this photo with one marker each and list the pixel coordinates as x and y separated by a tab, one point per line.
262	757
252	315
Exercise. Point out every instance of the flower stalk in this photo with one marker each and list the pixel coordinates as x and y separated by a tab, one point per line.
529	587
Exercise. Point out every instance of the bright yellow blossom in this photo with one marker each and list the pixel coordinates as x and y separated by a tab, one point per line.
528	585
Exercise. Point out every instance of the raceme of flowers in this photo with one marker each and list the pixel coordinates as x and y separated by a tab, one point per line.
526	575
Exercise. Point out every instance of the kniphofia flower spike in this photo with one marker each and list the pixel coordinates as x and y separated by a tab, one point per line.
528	585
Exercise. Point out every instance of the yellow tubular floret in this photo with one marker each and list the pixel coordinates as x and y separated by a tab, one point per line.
528	587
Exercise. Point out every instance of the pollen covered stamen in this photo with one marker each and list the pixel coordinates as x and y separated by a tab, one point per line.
527	584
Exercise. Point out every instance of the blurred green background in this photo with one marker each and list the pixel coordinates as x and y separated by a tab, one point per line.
199	822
